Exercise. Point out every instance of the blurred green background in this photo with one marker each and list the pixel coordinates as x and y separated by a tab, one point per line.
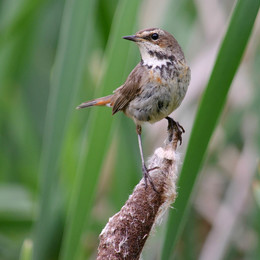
64	172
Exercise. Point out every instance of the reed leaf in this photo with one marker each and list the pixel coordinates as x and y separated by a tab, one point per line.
68	72
209	111
98	132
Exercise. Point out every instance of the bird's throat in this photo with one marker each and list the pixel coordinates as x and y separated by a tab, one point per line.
153	59
153	62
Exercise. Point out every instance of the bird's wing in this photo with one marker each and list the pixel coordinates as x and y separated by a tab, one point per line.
131	88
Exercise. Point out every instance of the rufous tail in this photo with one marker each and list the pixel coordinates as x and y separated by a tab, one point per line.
103	101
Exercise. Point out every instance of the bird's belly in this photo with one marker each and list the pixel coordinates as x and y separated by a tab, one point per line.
156	101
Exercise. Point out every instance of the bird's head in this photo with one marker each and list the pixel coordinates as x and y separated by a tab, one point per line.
156	44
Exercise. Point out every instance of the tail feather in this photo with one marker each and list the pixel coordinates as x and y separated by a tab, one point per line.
103	101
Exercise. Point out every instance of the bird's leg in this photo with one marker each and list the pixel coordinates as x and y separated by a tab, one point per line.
180	130
144	168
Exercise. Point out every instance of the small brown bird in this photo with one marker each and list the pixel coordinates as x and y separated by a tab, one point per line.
155	87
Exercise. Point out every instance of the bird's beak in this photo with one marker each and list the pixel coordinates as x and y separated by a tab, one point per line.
133	38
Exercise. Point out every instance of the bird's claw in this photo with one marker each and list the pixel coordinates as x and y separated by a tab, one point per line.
148	177
172	124
180	130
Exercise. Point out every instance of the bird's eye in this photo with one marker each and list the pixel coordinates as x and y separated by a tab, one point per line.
155	36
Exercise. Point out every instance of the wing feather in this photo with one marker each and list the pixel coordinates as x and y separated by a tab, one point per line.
131	88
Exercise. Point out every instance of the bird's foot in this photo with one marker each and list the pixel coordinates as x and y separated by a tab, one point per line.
172	124
148	177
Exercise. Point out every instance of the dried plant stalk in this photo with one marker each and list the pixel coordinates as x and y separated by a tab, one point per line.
126	232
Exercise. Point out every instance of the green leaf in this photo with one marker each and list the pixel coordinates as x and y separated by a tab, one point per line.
68	71
26	251
214	98
98	131
18	206
256	187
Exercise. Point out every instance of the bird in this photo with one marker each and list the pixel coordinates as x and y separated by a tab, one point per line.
154	88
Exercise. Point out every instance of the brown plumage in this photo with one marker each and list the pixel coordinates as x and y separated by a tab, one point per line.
122	95
155	87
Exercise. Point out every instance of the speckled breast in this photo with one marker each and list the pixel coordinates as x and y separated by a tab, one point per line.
161	95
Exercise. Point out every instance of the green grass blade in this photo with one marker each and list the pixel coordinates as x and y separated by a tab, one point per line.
26	251
209	111
98	135
99	132
68	71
